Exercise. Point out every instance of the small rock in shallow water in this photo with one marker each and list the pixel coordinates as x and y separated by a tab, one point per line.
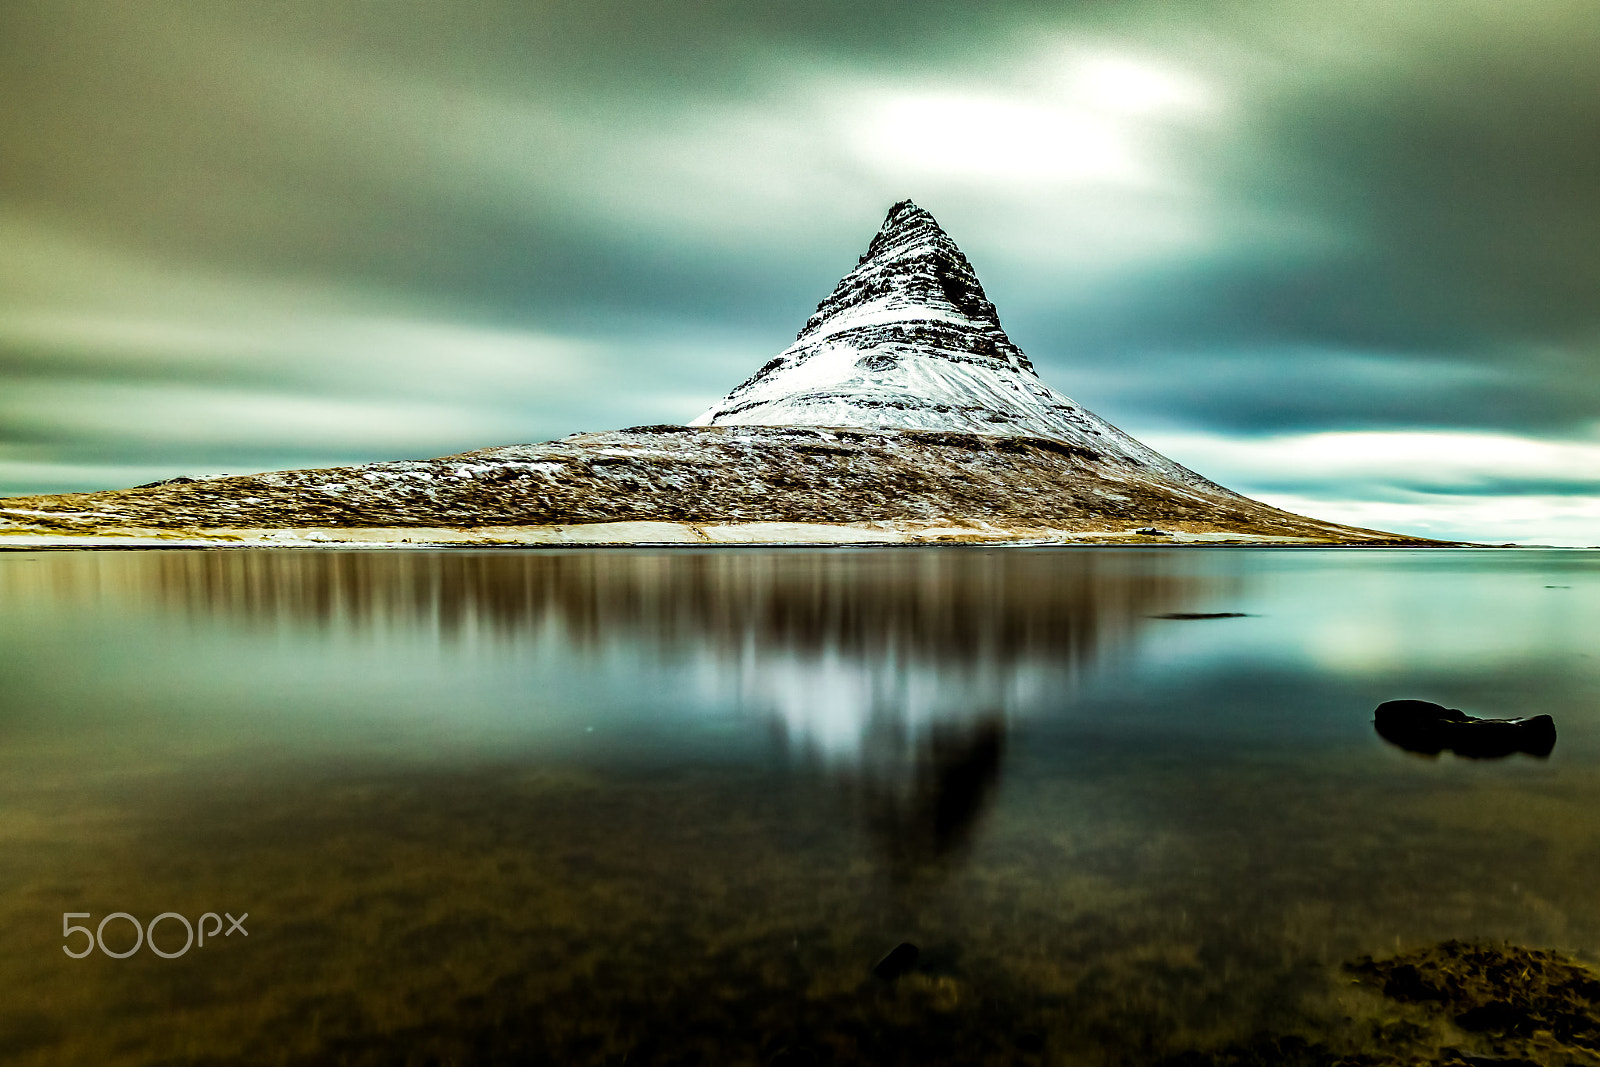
900	959
1428	728
1203	615
1151	531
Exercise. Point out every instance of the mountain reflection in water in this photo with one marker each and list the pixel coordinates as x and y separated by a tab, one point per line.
838	648
922	807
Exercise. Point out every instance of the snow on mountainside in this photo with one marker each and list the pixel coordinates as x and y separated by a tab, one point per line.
908	340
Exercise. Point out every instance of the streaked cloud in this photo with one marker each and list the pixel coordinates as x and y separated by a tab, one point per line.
1419	460
1467	486
1560	520
1360	236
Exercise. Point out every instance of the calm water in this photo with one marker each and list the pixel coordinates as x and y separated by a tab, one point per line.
672	806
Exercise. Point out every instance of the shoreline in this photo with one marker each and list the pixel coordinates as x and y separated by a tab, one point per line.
673	534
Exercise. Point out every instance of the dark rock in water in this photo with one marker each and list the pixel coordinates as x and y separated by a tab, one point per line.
1428	728
1151	531
179	480
901	959
1203	615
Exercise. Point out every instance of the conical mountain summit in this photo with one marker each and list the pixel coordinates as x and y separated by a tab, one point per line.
863	357
908	340
901	414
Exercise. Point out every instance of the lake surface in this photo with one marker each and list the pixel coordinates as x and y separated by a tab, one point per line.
672	806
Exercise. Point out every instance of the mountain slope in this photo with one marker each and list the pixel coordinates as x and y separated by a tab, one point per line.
693	484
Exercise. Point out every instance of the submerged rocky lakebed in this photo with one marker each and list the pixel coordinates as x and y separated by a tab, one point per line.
674	805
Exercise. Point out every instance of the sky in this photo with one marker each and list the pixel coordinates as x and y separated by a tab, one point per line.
1344	258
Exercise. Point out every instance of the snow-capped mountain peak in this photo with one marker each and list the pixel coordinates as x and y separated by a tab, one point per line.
908	340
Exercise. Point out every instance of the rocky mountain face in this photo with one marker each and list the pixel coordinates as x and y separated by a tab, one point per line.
902	412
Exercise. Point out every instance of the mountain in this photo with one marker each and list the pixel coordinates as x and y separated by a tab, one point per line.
908	340
902	413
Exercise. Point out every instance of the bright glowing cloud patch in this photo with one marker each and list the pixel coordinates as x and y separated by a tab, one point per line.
1120	83
1094	122
998	139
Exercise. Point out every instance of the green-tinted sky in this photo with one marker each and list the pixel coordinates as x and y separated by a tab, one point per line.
1345	256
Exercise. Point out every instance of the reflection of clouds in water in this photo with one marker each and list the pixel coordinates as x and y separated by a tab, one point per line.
832	704
824	702
832	644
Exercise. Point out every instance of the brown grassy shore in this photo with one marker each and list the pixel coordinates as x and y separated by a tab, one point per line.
770	485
